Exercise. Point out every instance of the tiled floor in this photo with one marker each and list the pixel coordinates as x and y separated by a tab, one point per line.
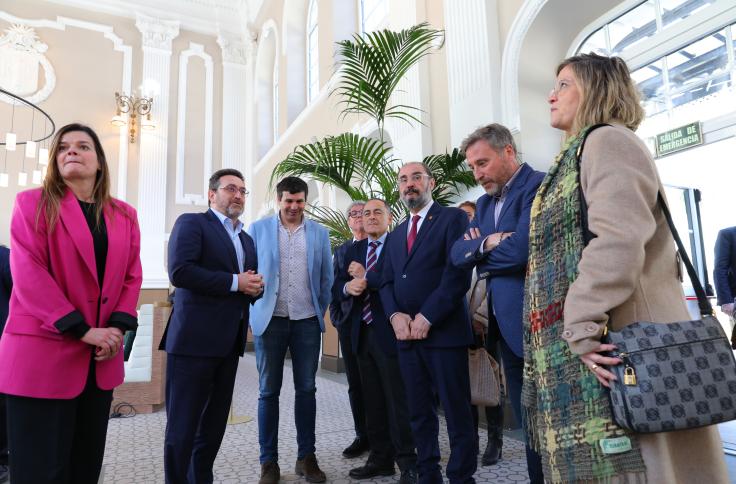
134	453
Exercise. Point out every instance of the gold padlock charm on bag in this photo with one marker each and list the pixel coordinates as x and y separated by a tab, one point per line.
629	376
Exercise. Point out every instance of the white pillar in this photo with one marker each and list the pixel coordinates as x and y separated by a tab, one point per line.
156	44
234	103
473	64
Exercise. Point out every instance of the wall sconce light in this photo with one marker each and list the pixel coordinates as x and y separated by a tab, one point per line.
133	106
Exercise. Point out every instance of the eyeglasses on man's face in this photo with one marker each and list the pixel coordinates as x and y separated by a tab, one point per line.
232	190
355	214
415	177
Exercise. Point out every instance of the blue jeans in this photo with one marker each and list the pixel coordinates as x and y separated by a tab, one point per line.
302	338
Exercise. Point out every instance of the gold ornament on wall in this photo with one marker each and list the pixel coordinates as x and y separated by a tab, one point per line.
133	106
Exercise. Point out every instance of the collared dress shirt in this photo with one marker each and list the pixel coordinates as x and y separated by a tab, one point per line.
234	232
382	240
501	197
422	215
294	298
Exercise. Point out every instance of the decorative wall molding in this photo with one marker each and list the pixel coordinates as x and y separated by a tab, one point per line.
157	33
203	16
234	50
194	50
118	45
510	63
21	52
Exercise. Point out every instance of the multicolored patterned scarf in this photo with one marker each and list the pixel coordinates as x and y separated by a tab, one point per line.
567	413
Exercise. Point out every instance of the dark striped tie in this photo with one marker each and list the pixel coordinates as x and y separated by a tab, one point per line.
370	266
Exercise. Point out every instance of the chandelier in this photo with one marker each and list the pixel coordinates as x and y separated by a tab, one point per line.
35	144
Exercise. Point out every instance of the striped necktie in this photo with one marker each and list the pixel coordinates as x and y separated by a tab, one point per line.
370	266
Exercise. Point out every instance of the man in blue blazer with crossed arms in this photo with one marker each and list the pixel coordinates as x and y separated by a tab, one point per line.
423	295
294	256
497	243
213	265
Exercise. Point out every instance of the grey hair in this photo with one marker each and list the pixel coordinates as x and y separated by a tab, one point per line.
496	135
352	205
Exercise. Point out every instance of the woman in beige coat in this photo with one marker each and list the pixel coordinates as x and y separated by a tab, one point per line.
627	272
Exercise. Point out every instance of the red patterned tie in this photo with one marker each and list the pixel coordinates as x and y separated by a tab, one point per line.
370	267
412	233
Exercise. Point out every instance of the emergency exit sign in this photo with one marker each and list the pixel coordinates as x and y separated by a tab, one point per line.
679	139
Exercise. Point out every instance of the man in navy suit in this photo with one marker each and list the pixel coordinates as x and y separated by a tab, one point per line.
724	270
213	265
423	295
6	285
339	307
374	342
497	243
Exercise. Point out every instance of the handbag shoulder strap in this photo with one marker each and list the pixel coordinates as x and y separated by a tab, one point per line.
703	304
588	235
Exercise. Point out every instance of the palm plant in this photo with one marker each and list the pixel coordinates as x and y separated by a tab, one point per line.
370	70
372	67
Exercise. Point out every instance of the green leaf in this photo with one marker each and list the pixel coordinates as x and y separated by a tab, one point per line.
372	65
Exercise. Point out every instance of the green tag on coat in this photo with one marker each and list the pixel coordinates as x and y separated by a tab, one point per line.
615	445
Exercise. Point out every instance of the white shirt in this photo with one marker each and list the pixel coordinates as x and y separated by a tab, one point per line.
234	232
423	214
382	240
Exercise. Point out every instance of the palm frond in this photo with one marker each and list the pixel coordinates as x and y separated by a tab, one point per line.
373	65
451	175
334	221
350	162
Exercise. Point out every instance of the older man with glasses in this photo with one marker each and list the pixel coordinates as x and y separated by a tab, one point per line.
339	309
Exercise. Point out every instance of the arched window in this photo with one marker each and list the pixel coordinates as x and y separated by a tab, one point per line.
312	52
673	63
373	15
682	56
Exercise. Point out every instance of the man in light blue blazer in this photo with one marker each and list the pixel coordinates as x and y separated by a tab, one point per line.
295	260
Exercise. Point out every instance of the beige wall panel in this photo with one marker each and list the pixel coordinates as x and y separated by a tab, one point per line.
181	43
88	72
194	130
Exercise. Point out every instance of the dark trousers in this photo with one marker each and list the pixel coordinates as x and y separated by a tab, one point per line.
355	390
3	431
443	372
513	367
58	441
199	391
387	413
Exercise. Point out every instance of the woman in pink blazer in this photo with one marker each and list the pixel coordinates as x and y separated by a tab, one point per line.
77	275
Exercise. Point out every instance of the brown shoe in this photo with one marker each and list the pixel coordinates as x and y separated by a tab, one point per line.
308	468
270	473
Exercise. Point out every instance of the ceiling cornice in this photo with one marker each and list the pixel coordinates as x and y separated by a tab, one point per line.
210	17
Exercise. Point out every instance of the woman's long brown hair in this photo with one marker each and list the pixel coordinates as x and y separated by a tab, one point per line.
54	187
